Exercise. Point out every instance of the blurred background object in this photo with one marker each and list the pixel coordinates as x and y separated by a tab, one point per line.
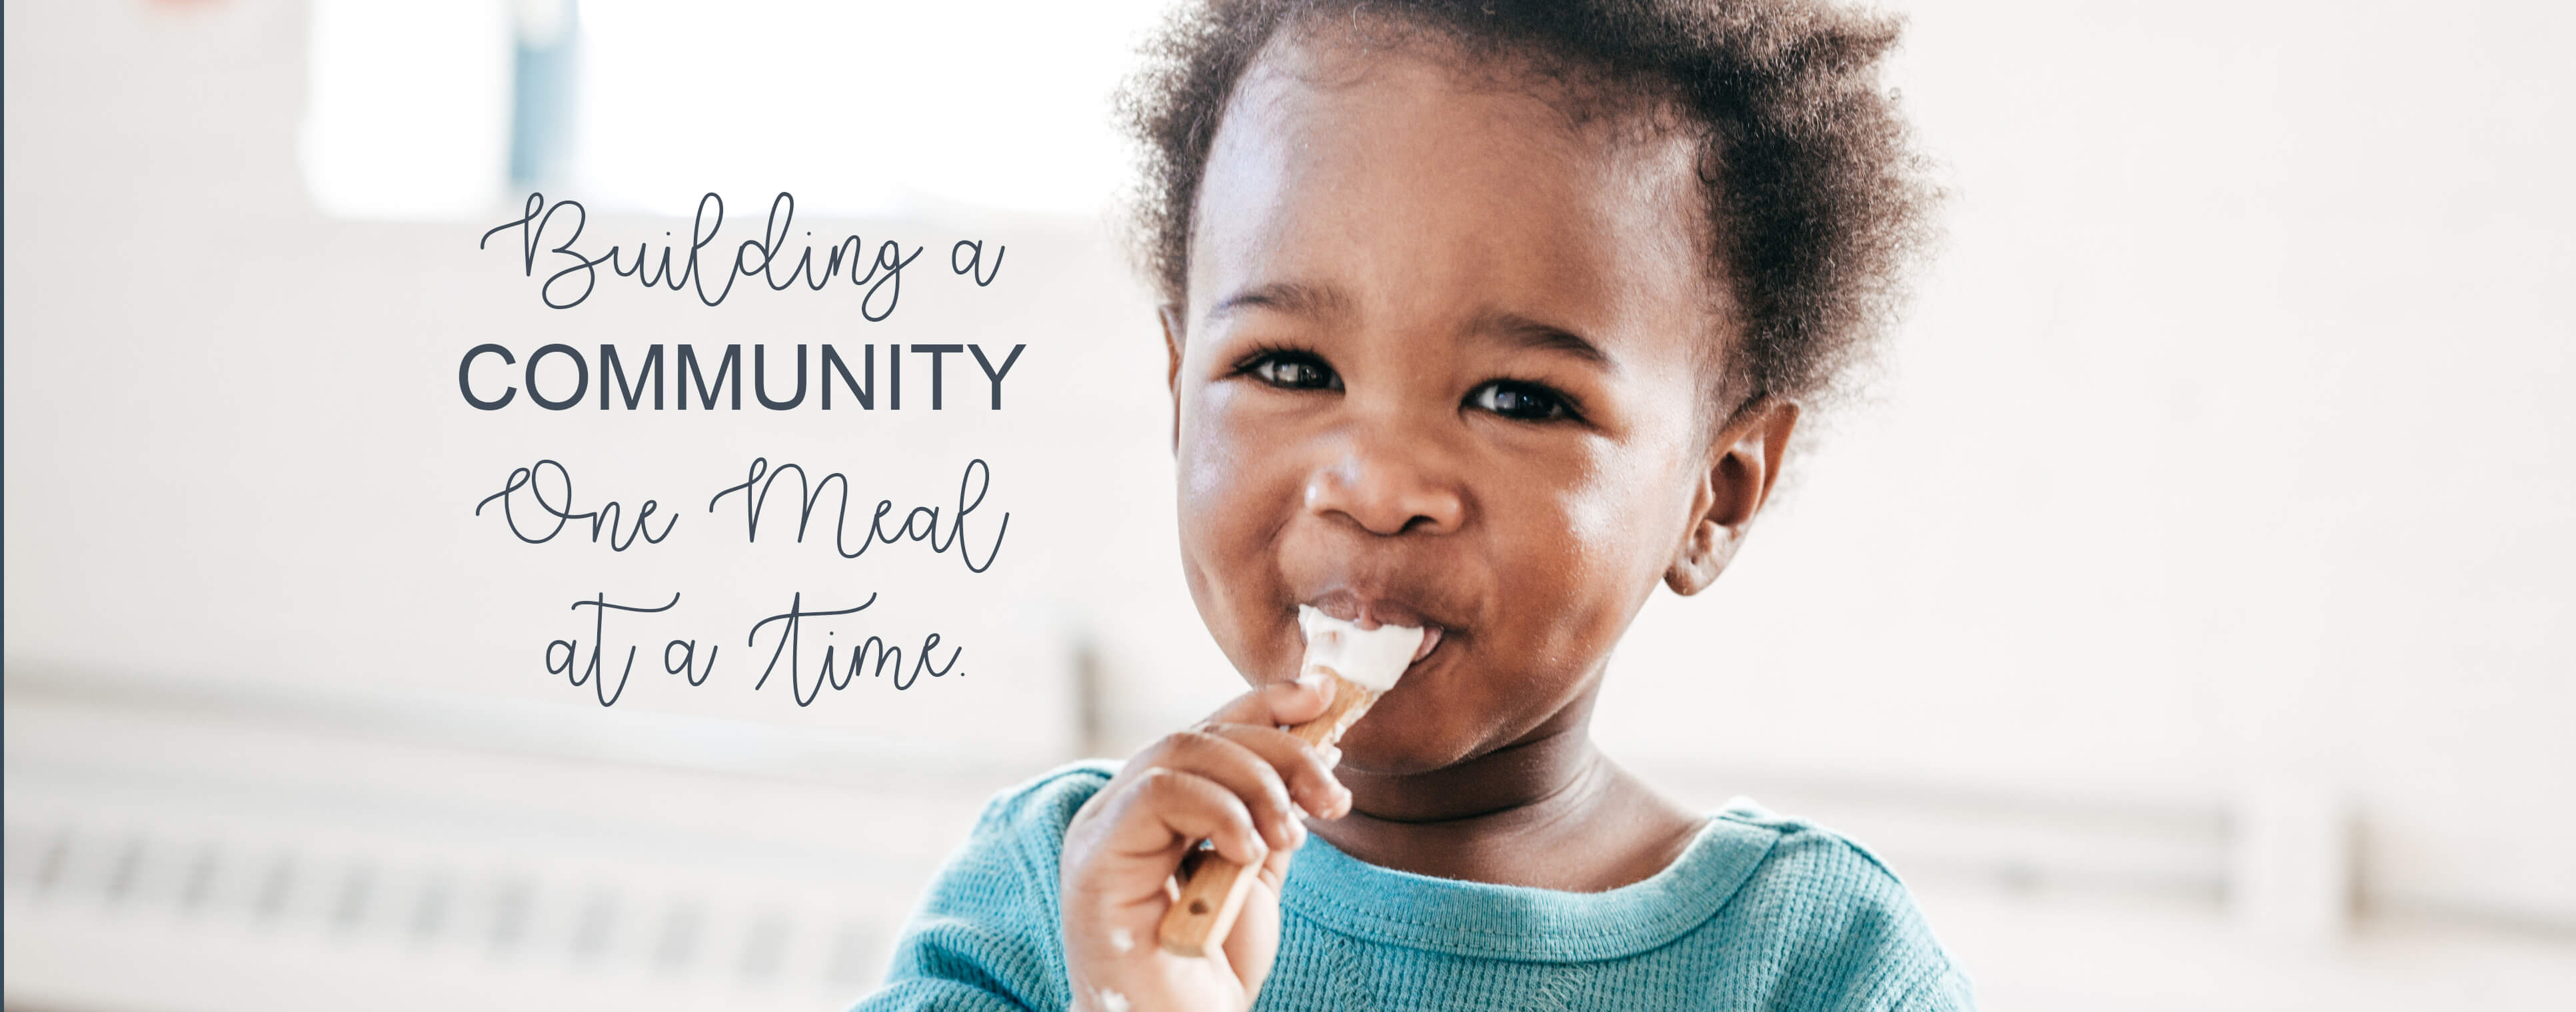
2190	596
870	109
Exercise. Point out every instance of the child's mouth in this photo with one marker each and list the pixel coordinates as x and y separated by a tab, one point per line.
1348	607
1430	641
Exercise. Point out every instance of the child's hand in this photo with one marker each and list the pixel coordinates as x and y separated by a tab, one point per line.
1237	780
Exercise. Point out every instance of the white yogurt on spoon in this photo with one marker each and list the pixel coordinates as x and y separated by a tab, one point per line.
1369	658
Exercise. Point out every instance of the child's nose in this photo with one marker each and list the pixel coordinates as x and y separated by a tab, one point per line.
1385	492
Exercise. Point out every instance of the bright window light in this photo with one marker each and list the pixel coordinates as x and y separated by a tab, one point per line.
407	108
865	108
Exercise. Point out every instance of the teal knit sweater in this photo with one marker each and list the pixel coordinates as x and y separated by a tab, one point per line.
1762	912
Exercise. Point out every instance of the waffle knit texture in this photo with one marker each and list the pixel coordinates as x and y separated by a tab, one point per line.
1762	912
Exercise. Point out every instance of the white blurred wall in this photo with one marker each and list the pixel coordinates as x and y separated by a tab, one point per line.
2219	479
2229	446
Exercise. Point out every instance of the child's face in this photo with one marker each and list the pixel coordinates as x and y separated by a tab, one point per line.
1442	364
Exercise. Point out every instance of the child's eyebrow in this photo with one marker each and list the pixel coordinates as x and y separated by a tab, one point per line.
1293	297
1528	333
1320	302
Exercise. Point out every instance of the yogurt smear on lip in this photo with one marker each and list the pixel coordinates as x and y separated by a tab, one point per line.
1371	658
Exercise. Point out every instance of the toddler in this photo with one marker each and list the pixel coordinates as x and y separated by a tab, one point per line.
1485	317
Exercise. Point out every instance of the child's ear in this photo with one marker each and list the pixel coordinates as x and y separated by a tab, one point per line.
1170	314
1746	464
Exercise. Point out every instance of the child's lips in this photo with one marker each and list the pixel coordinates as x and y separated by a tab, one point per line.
1372	613
1430	641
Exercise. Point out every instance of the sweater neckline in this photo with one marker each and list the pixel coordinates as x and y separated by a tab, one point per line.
1482	919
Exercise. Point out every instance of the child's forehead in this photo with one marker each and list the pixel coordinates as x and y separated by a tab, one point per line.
1405	172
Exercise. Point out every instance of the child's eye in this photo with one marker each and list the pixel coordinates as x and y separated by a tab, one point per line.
1289	369
1514	399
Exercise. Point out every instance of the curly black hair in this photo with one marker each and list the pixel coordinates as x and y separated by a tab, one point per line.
1817	199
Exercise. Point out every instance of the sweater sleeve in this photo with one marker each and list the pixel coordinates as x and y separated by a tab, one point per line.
985	937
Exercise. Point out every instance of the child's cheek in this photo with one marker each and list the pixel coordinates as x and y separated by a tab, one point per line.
1608	518
1208	455
1591	545
1234	490
1234	468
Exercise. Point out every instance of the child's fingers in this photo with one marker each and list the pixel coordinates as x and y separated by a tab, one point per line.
1255	938
1165	807
1306	770
1247	773
1277	703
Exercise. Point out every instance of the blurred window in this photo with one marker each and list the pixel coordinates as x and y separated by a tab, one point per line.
421	109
